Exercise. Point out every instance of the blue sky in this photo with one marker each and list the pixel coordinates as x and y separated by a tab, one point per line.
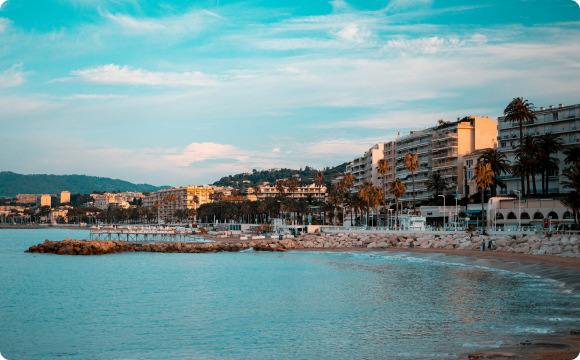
184	92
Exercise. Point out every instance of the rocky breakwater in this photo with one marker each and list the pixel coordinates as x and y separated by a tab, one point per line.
560	245
101	247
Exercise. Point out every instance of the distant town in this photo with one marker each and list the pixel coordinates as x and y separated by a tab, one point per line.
436	172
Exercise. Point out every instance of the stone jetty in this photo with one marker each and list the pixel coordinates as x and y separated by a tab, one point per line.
102	247
560	245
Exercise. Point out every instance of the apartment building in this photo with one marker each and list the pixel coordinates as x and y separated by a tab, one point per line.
63	197
420	143
178	198
561	120
389	155
452	142
26	198
108	200
302	192
366	167
43	200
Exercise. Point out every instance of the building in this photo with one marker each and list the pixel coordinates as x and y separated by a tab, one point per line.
108	200
55	214
509	213
43	200
365	167
420	143
26	198
302	192
389	155
170	200
469	163
63	197
562	120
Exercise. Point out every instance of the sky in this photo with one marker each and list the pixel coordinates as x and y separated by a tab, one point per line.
184	92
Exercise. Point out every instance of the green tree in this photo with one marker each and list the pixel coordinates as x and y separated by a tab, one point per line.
412	164
397	189
520	111
547	144
436	183
499	165
483	177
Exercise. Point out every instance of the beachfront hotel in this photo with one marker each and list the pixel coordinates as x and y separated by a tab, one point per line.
440	148
302	192
563	121
170	200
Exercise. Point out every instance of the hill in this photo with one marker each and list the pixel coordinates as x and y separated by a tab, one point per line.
12	184
256	177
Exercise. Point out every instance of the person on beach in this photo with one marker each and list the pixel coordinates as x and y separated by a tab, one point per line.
483	246
411	244
489	244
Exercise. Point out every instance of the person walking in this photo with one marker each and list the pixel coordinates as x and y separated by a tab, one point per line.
489	244
483	246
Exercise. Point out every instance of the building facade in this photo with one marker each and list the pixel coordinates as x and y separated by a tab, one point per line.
170	200
509	213
420	143
366	167
63	197
26	198
302	192
43	200
563	121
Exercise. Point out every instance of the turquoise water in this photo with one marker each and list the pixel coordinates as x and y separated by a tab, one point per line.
256	305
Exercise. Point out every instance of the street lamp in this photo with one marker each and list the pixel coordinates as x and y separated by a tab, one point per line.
390	218
443	196
519	209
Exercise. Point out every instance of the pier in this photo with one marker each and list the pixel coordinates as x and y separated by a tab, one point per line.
157	235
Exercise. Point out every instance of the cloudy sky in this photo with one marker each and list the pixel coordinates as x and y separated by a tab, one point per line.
175	92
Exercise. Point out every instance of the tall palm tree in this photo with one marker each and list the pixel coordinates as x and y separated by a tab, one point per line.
548	144
345	186
483	177
499	164
397	189
520	110
383	168
436	183
572	155
531	150
319	180
257	191
365	193
280	187
412	164
292	185
572	199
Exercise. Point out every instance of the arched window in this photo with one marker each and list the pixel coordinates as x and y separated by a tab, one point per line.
512	216
553	215
538	216
525	215
499	216
567	215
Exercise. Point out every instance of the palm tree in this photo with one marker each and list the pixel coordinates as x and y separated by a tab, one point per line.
319	180
520	110
523	167
292	185
345	186
365	193
531	150
257	191
548	144
572	155
436	183
572	199
397	189
280	187
412	164
383	168
499	165
483	177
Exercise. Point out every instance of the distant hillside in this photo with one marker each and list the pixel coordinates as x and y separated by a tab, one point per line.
12	184
259	176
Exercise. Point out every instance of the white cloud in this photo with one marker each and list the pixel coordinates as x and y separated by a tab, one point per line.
276	150
92	97
12	77
196	152
407	4
353	33
115	75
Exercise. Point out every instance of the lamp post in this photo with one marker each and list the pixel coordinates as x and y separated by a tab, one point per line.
519	209
390	218
443	196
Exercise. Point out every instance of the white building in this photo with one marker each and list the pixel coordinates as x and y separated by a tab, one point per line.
562	120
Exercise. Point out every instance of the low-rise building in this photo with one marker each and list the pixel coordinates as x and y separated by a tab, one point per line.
26	198
58	213
301	192
509	213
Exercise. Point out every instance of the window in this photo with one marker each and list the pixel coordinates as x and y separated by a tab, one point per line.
525	215
469	175
503	144
553	215
538	216
573	113
511	216
555	116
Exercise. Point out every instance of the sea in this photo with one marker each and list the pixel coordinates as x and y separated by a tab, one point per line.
261	305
